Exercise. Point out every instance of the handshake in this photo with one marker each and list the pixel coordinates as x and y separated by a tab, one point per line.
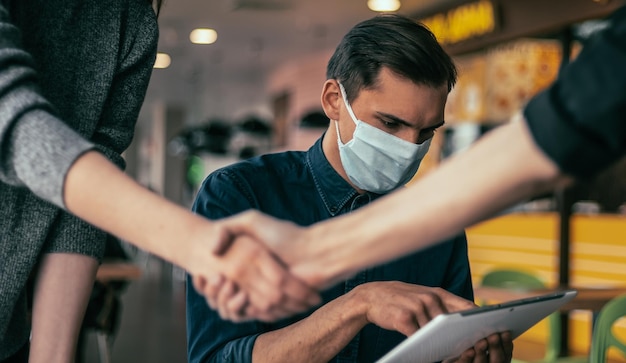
263	269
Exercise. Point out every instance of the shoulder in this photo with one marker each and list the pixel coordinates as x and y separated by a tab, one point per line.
255	176
275	165
257	183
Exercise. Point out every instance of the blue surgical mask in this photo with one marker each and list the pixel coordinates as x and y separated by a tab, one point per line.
375	160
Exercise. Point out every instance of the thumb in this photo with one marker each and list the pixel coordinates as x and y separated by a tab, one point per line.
198	282
222	239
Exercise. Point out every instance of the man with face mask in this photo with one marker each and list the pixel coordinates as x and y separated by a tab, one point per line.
385	93
376	161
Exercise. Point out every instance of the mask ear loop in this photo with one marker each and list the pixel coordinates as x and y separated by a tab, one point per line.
345	101
338	135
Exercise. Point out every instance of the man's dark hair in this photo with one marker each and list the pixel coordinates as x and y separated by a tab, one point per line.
403	45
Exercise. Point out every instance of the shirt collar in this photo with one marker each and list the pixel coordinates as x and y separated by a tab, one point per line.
332	188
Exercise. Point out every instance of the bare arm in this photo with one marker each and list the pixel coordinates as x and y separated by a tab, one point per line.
584	107
501	169
316	338
101	194
391	305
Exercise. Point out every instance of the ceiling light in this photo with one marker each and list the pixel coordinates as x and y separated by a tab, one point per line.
383	5
163	60
203	36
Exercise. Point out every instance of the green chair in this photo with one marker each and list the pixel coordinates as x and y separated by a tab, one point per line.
521	280
603	338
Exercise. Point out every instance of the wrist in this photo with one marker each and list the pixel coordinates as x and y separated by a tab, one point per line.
193	250
358	304
319	252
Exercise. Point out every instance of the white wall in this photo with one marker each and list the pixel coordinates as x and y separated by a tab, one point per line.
303	80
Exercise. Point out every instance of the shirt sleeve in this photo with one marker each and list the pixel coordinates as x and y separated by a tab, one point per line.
36	148
210	338
580	121
458	272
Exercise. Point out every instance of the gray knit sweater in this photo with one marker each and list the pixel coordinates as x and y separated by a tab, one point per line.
68	68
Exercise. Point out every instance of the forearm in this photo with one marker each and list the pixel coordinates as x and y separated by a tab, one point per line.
317	338
98	192
503	168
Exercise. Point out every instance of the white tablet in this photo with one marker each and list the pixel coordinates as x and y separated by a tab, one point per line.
449	335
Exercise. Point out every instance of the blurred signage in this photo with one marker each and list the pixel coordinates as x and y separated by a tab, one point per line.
463	22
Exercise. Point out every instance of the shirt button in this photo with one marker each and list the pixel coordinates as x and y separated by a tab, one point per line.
333	209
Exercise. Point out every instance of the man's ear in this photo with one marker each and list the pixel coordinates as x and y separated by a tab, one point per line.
331	99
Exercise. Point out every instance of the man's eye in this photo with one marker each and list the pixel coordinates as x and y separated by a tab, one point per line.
390	124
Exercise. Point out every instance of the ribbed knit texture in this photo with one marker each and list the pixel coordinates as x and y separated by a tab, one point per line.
92	61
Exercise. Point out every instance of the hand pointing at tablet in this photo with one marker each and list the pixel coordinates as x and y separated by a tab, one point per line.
404	308
395	305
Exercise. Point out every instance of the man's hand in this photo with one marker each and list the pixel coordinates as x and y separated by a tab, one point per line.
403	307
246	281
496	348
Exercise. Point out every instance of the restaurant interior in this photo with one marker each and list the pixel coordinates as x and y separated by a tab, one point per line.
506	51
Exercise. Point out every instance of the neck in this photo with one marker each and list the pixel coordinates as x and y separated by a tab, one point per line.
331	151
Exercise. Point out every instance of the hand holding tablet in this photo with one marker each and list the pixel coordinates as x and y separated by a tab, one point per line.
449	335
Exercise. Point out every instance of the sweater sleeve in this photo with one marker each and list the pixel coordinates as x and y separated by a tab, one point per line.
116	126
580	121
36	148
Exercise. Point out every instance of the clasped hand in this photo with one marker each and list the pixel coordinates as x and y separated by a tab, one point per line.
255	274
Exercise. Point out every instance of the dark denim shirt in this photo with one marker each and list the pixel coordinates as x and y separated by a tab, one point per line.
304	188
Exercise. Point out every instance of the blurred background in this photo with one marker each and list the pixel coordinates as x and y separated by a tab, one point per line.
253	87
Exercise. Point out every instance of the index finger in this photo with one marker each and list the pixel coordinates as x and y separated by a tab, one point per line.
453	303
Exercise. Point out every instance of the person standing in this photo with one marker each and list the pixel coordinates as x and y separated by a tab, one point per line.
73	79
93	62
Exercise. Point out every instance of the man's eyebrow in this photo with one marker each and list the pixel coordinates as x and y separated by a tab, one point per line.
395	119
443	122
406	123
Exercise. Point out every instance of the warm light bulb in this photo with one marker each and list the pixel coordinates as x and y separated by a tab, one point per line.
163	60
383	5
203	36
